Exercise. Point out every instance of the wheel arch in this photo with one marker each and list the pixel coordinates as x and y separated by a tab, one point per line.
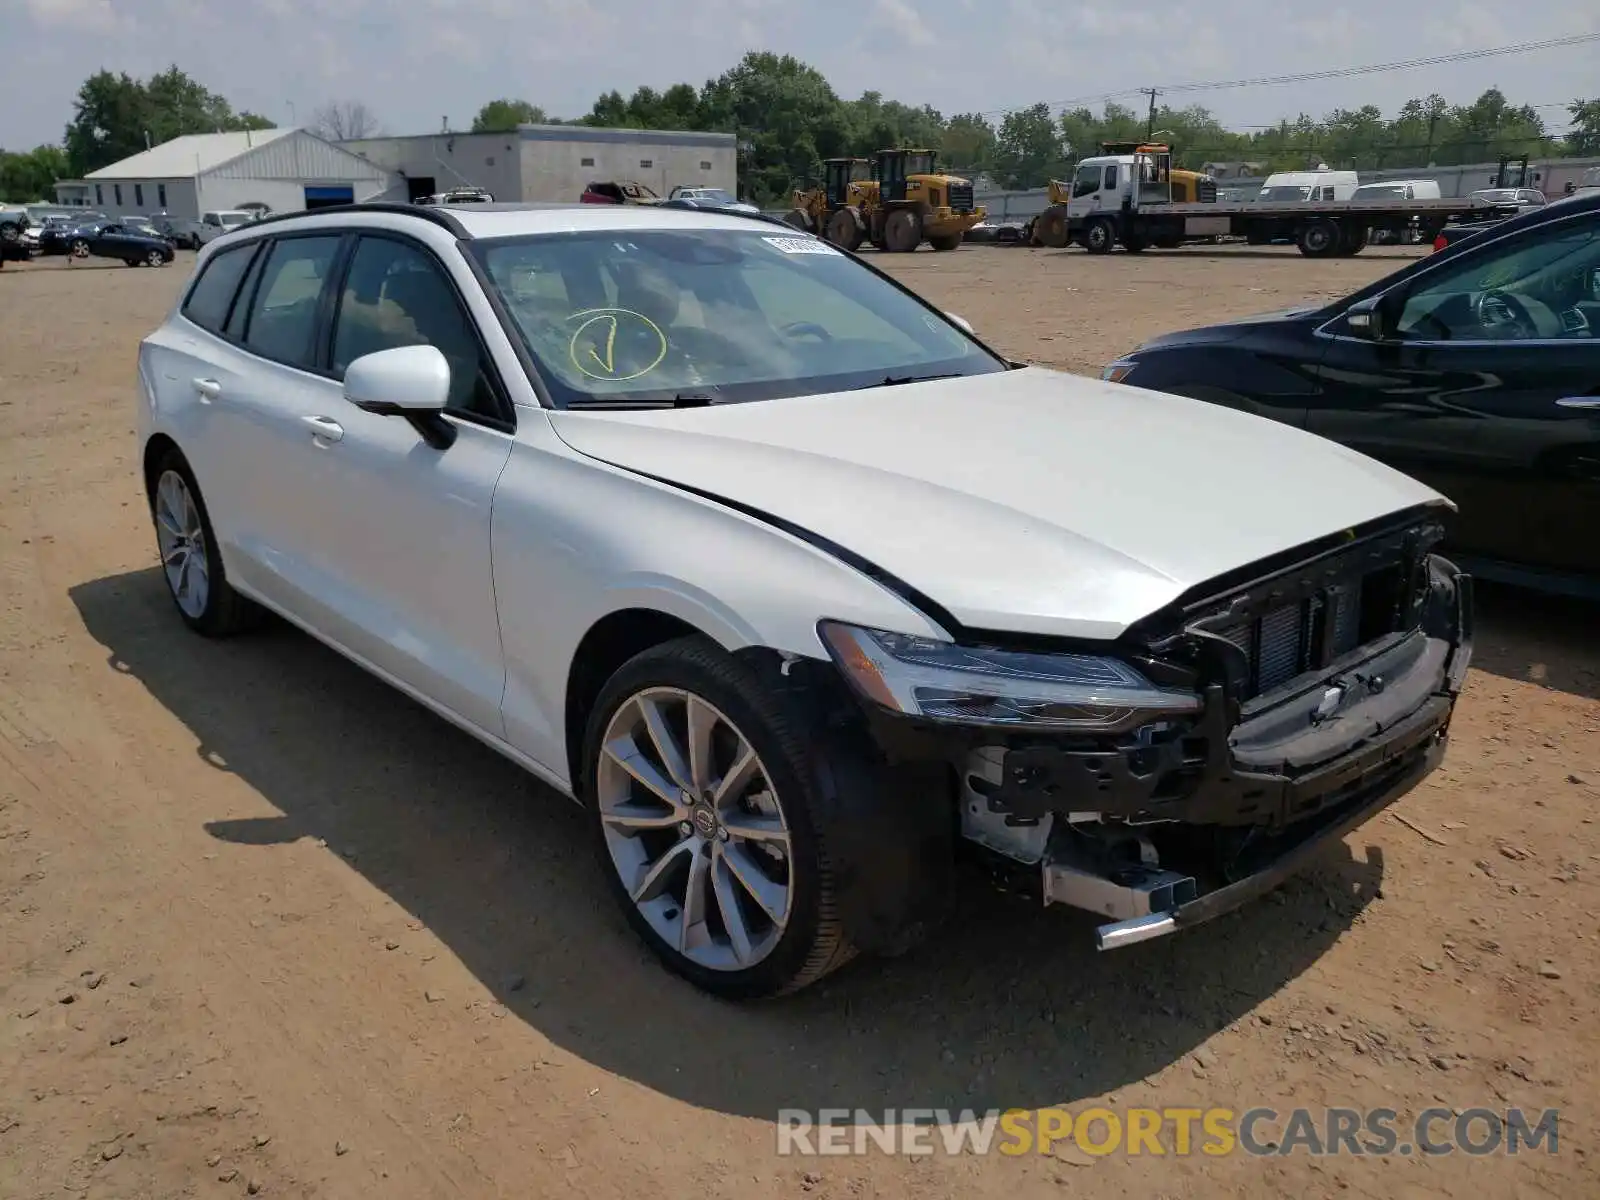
156	448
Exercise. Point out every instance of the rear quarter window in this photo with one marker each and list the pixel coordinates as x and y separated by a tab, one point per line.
212	293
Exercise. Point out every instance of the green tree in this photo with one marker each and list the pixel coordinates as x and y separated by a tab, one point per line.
504	115
115	116
968	144
31	175
1584	137
787	113
1029	148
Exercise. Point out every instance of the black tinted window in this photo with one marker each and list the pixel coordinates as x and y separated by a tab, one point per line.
208	300
397	295
283	316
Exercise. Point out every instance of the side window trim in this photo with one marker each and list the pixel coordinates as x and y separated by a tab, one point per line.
505	420
247	283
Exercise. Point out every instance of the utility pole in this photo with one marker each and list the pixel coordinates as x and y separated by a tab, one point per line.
1150	121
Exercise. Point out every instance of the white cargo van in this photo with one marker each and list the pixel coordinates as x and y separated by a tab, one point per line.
1286	187
1399	189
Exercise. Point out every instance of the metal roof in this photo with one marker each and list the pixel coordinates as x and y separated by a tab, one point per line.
188	156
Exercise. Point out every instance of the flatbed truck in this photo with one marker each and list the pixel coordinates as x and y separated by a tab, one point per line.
1126	200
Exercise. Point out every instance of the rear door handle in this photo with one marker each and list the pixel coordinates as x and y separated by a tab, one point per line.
324	428
1579	402
209	389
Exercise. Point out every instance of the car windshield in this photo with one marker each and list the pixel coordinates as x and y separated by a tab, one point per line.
668	316
1282	193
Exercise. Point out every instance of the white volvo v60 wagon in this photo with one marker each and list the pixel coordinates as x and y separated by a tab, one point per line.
801	589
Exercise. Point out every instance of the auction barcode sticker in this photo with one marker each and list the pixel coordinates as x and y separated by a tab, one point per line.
800	245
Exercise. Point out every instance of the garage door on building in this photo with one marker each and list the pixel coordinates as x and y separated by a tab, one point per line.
327	197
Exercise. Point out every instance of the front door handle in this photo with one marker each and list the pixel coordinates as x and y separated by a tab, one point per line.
324	429
209	389
1579	402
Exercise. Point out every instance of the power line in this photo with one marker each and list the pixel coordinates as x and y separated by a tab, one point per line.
1308	76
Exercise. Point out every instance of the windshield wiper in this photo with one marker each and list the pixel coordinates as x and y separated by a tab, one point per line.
896	380
681	400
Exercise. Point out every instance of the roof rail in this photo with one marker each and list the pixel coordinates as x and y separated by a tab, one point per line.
423	212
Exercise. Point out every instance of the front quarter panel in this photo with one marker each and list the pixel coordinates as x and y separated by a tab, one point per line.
1267	373
575	540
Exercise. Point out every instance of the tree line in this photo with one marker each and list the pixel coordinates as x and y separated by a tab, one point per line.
788	118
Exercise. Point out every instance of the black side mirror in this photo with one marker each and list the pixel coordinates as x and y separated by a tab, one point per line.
1369	319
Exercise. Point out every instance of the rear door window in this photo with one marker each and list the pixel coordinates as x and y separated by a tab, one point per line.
283	313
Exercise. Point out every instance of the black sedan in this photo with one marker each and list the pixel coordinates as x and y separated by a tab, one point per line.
1475	369
133	244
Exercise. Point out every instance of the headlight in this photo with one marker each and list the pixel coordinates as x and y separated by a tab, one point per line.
978	685
1118	371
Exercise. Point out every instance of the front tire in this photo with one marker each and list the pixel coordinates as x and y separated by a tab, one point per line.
190	560
703	803
1099	236
902	231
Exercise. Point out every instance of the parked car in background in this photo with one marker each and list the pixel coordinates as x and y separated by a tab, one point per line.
624	191
795	585
214	224
707	197
1514	197
460	195
14	221
134	244
184	232
1475	370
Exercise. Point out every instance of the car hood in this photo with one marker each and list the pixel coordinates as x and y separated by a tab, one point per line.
1025	501
1231	331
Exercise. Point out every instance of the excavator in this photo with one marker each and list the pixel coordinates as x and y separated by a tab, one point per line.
1050	228
905	202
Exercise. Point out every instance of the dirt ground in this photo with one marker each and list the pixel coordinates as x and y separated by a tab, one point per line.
267	926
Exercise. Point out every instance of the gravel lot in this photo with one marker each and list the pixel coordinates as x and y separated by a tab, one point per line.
265	924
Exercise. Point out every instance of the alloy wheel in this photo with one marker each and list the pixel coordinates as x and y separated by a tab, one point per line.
695	829
182	541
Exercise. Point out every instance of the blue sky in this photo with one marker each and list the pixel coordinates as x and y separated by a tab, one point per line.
415	62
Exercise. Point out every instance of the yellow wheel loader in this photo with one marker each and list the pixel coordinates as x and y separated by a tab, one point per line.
833	210
903	204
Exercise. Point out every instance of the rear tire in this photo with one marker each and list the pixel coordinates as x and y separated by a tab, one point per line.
902	231
190	560
156	259
666	843
799	218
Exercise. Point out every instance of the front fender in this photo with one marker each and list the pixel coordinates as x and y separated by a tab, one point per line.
575	540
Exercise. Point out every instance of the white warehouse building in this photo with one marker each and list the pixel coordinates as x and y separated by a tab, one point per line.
554	163
287	170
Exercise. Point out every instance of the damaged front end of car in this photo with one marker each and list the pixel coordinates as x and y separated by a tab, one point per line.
1206	755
